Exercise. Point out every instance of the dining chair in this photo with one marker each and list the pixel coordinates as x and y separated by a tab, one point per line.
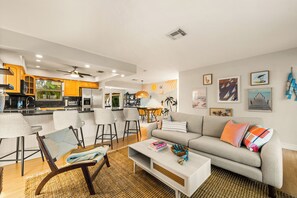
14	125
56	145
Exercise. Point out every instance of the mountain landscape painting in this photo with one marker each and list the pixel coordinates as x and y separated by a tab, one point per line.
229	89
260	99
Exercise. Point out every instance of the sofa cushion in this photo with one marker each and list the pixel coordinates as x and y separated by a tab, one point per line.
233	133
218	148
174	126
175	137
194	122
214	125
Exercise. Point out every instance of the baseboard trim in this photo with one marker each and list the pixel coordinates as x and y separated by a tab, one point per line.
290	146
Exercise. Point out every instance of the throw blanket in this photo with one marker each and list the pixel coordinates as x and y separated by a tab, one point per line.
97	152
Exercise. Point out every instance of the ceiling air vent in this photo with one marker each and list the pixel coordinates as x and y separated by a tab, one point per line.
100	71
177	34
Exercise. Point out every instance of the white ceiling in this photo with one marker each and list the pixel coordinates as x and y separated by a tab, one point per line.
135	30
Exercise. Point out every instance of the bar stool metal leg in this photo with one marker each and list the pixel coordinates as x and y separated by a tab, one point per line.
136	127
82	137
110	131
23	152
17	150
139	128
128	129
102	134
125	129
116	132
96	134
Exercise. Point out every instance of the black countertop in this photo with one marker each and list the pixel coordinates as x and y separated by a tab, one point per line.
34	111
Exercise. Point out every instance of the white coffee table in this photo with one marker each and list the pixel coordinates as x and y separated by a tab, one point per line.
163	165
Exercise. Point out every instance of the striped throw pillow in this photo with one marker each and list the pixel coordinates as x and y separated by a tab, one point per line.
256	137
174	126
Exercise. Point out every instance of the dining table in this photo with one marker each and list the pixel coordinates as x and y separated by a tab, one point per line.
149	112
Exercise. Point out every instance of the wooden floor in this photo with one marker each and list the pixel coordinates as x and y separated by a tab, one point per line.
14	184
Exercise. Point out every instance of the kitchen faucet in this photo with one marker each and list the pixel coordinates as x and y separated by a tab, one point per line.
28	102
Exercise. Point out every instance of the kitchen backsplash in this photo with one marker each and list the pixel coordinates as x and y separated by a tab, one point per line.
12	102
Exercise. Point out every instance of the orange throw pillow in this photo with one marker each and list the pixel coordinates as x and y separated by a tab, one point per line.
234	133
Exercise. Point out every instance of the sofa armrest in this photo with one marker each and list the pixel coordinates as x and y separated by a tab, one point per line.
149	128
272	162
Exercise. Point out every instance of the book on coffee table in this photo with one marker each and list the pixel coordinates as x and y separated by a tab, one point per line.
158	146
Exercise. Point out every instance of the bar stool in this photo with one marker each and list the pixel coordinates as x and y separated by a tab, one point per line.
13	125
105	117
64	119
131	115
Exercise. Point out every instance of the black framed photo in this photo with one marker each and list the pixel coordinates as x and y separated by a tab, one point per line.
207	79
259	78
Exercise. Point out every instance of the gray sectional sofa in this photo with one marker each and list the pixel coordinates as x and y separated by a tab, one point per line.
203	137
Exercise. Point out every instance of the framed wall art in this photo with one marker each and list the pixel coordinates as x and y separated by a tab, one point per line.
229	89
260	99
207	79
199	98
259	78
225	112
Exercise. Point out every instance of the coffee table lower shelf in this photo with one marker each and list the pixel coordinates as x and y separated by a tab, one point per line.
169	175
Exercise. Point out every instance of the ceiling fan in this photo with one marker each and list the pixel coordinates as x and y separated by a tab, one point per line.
74	73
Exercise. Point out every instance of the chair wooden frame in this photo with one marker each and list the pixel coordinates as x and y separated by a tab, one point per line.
82	165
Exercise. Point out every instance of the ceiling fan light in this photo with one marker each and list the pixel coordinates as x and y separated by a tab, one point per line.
74	75
142	94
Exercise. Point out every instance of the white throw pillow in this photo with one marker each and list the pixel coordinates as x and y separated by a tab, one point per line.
174	126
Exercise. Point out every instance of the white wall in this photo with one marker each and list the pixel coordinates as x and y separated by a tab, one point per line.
284	114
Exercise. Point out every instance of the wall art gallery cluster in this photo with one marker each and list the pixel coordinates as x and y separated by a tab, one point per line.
229	92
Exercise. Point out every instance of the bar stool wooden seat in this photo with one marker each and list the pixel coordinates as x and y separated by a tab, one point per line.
14	125
105	117
131	115
64	119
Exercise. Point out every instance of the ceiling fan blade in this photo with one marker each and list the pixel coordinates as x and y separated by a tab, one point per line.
81	76
63	71
84	74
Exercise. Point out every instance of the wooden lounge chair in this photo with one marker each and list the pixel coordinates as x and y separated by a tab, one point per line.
56	145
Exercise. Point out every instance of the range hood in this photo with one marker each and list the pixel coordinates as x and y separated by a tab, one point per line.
6	86
4	71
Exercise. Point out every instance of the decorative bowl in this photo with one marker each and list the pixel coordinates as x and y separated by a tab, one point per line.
180	150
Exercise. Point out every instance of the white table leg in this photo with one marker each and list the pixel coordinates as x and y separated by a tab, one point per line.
177	194
134	167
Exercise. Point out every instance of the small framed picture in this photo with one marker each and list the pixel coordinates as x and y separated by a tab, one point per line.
225	112
199	98
259	78
207	79
260	99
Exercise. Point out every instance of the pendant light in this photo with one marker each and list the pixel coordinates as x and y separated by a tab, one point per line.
142	93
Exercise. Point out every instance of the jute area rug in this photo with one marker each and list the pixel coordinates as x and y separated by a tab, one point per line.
120	181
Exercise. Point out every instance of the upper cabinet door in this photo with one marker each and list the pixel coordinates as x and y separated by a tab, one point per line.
71	88
14	79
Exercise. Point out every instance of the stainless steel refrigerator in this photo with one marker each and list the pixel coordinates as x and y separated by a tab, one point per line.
92	98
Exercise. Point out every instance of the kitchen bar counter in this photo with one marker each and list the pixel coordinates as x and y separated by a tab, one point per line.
45	119
49	111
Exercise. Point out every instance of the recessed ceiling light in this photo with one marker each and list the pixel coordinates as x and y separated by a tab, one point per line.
37	60
38	56
37	66
114	71
87	66
122	75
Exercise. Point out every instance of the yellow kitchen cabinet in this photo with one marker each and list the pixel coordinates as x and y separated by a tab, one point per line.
93	85
83	84
71	88
15	79
30	83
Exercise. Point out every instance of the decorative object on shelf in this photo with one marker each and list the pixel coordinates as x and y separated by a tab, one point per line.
225	112
181	151
199	98
142	93
207	79
229	89
260	99
130	100
259	78
291	86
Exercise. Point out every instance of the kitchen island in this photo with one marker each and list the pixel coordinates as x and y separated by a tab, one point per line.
44	118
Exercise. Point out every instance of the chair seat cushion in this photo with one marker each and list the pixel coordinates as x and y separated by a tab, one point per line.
176	137
215	146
